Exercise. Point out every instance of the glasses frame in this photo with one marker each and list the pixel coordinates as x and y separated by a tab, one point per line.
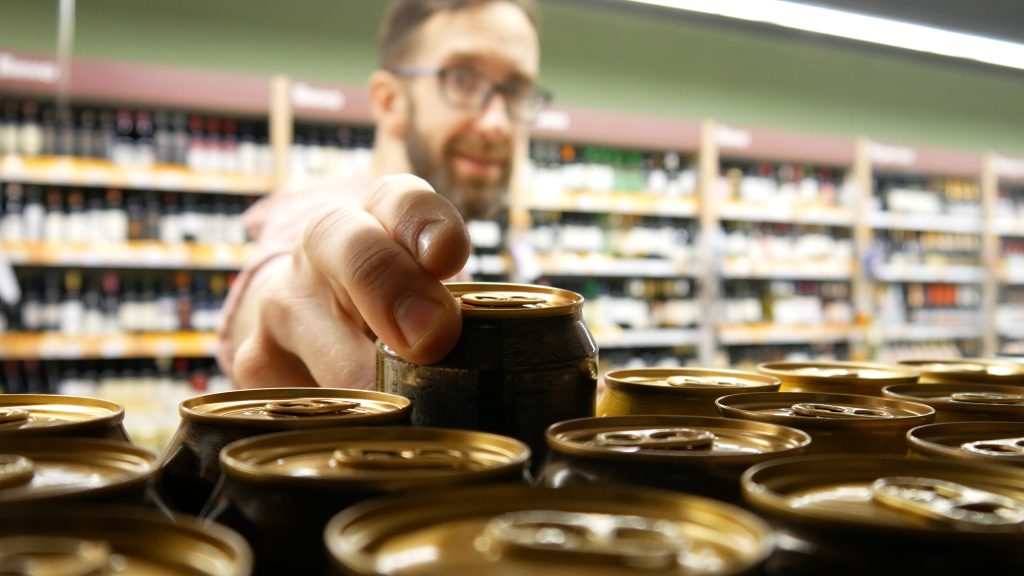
537	100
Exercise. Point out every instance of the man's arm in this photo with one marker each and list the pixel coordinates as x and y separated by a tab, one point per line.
305	316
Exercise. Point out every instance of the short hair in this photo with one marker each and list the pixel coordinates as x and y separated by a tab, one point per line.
403	18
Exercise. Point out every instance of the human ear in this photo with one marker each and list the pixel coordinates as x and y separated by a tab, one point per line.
389	102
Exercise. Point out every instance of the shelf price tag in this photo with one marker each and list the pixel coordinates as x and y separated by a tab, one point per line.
729	137
891	155
1009	167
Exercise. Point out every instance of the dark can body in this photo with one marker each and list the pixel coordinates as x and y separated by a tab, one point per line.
52	415
693	454
516	369
279	490
190	468
873	514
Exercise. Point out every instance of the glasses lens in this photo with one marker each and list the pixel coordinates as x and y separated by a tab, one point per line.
464	87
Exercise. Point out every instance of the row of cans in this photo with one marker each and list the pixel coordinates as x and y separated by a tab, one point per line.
319	477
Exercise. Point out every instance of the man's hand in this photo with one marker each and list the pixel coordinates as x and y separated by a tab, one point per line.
309	319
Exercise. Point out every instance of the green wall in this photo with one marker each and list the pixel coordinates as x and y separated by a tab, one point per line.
594	57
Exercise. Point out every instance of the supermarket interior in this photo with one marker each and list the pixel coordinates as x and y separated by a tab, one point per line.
754	287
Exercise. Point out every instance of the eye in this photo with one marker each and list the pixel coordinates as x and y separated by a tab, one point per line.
465	80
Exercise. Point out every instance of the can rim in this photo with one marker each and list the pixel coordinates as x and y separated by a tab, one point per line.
788	372
115	412
570	302
899	392
616	380
575	449
1013	370
730	406
188	411
919	439
234	465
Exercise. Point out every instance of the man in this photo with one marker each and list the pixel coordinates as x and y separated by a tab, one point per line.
340	265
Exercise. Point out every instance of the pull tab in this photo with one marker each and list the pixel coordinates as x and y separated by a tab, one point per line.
8	415
55	555
821	410
949	502
633	541
310	407
658	439
385	459
996	447
987	398
15	471
698	382
502	299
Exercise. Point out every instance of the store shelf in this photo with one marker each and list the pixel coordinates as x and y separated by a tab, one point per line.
609	337
487	265
48	346
925	222
1012	276
617	203
606	266
787	214
749	268
930	333
930	274
141	255
752	334
89	172
1009	227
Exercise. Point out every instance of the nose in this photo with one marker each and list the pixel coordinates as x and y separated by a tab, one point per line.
495	119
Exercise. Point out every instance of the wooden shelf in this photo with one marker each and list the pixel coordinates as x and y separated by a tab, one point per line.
753	334
51	346
1009	227
787	214
613	337
617	203
929	333
748	268
925	222
144	254
930	274
90	172
606	266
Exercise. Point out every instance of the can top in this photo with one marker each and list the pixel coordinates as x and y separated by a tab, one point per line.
286	408
379	459
120	540
962	397
689	381
992	370
519	530
992	441
812	410
40	469
509	301
675	439
914	497
28	413
839	372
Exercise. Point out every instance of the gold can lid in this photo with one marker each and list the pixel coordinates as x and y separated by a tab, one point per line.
519	530
38	469
508	301
689	381
909	496
839	373
988	370
675	439
379	458
30	413
962	397
991	441
803	409
288	408
118	540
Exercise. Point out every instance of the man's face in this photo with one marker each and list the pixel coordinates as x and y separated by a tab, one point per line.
467	153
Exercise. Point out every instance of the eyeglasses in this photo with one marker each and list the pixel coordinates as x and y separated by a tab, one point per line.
468	89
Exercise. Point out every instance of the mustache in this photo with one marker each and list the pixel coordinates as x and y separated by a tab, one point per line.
485	148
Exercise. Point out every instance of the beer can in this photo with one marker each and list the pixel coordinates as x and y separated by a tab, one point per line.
117	540
524	361
190	467
46	471
695	454
675	391
875	514
838	377
977	370
836	422
524	531
283	488
52	415
964	401
993	442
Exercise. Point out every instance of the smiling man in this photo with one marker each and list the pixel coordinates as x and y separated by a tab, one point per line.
347	261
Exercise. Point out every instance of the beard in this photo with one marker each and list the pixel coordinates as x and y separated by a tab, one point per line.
475	199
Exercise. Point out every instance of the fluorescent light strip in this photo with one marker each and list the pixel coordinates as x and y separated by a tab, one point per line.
859	27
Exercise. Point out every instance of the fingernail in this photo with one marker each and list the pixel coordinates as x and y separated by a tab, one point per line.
417	316
428	235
